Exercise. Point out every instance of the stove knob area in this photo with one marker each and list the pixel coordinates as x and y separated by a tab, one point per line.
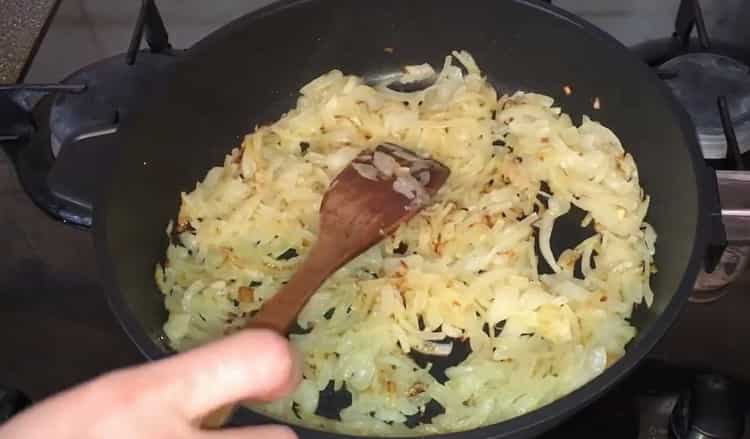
710	408
11	402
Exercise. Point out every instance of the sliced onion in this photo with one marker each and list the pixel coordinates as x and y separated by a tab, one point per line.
401	152
424	178
406	187
386	164
409	187
367	171
416	73
545	248
433	348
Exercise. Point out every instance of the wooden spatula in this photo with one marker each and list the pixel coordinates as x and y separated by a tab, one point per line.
369	199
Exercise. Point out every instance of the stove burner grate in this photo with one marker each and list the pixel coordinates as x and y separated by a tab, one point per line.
697	79
67	129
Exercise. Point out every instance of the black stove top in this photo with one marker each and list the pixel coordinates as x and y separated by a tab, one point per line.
56	329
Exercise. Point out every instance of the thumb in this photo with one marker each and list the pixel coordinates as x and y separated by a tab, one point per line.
167	395
257	365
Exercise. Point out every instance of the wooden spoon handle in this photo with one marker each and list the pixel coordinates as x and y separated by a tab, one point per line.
218	417
280	312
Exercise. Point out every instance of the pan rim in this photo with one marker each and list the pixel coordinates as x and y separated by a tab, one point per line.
535	421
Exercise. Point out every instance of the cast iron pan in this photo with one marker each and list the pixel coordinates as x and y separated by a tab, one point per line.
248	73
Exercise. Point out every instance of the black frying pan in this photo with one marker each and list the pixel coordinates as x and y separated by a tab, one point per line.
248	73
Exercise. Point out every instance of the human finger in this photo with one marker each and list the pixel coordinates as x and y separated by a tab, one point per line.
256	365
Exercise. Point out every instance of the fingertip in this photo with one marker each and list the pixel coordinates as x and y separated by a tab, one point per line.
285	370
251	365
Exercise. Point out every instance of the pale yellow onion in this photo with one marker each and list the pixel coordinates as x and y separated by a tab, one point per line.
470	258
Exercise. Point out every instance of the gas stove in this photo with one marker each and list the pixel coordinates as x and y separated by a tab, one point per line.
58	139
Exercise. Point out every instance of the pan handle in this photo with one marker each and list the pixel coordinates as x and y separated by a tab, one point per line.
64	186
717	236
733	190
729	213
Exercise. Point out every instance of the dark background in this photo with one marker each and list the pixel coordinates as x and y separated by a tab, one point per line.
55	327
